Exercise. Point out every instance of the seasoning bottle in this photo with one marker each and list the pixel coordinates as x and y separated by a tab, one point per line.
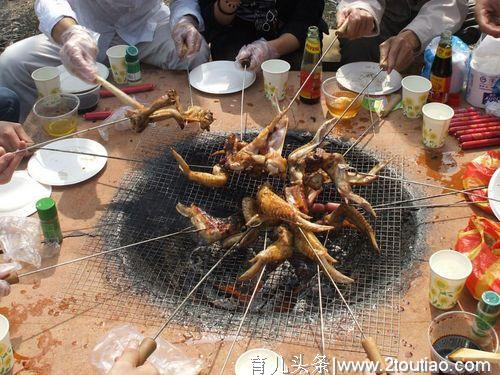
488	309
49	220
311	92
133	64
441	70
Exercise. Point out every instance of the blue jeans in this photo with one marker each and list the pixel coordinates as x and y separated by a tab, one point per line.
9	105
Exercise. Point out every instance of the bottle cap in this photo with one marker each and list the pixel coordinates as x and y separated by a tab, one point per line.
490	302
131	54
46	208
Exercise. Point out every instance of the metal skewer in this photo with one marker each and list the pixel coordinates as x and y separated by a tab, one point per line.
13	277
245	64
320	296
450	205
91	154
368	343
148	344
190	88
245	314
360	138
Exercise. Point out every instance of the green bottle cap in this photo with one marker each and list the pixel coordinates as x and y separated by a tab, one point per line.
46	208
490	302
131	54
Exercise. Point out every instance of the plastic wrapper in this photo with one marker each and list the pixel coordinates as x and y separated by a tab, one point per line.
120	126
166	358
480	241
20	239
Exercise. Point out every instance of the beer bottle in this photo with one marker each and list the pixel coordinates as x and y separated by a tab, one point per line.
311	92
441	70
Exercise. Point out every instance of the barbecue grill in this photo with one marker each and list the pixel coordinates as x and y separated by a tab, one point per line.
144	284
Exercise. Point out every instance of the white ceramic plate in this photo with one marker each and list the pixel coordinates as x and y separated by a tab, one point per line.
72	84
355	76
19	196
61	169
220	77
494	192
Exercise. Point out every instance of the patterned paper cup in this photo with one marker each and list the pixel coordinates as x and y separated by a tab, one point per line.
437	117
449	271
415	92
47	81
116	56
275	78
6	354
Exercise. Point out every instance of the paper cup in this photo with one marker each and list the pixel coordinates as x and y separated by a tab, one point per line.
415	92
47	81
449	271
275	78
6	354
437	117
116	56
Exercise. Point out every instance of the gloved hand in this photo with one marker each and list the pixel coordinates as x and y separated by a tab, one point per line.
186	37
9	163
78	53
256	52
128	364
4	285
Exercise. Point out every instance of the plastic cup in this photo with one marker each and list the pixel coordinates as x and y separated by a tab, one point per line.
337	99
449	270
6	353
57	114
275	78
437	117
452	330
415	92
47	81
116	56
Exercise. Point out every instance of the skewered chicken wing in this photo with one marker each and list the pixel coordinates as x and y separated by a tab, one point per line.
278	251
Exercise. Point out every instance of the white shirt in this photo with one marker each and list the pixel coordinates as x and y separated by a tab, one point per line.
434	16
134	21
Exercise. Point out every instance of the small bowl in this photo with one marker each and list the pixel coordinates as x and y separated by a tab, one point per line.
338	99
57	114
88	99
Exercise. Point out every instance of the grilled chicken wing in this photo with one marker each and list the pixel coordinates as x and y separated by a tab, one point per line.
278	251
217	178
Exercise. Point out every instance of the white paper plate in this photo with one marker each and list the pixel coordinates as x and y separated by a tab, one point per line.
355	76
19	196
61	169
274	363
494	192
72	84
220	77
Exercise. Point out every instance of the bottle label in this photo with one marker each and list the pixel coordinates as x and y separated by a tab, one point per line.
440	88
52	230
443	52
134	77
313	46
312	89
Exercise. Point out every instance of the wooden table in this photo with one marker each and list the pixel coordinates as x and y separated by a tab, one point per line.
50	338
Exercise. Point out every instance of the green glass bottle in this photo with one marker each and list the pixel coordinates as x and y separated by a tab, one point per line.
133	65
49	220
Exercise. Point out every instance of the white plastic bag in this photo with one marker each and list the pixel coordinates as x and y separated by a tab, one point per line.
122	125
20	239
166	358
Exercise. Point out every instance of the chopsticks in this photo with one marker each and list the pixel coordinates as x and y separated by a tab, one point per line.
474	129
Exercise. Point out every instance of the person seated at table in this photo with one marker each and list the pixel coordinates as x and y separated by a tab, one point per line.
256	30
488	16
394	32
79	32
12	137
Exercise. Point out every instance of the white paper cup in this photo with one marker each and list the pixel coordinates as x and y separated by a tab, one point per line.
437	117
415	92
116	56
275	78
449	271
6	354
47	81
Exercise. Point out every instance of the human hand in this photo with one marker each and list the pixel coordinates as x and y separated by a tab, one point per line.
256	53
360	22
186	37
9	163
128	364
79	52
488	16
399	51
12	135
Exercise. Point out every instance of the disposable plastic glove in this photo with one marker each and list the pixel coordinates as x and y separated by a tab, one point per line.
186	37
256	53
78	53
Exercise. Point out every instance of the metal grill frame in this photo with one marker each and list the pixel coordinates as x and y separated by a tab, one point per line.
130	289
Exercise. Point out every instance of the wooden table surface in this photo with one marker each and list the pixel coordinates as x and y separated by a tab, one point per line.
51	336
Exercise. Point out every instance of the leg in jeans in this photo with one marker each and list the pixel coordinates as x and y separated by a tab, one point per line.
17	63
9	105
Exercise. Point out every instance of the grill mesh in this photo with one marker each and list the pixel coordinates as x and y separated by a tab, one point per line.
145	283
